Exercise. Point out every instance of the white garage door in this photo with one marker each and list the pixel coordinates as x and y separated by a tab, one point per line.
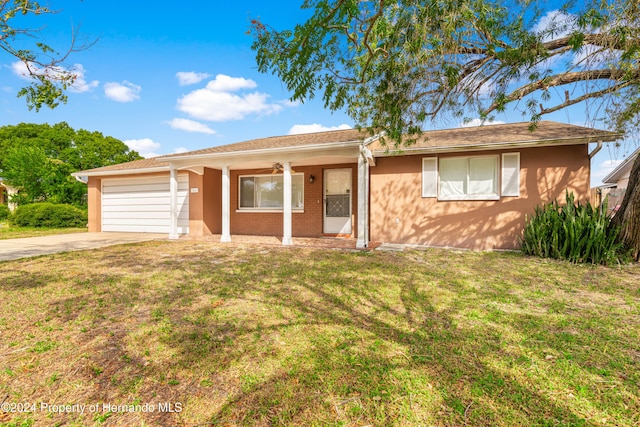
142	204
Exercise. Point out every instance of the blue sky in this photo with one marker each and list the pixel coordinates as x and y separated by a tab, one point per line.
180	78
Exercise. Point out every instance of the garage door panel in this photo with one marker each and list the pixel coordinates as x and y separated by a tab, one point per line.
152	222
147	215
154	199
143	205
128	207
140	188
136	229
149	188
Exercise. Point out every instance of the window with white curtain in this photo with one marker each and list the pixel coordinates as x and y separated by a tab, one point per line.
471	177
260	192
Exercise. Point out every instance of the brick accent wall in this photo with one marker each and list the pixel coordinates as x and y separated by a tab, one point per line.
304	224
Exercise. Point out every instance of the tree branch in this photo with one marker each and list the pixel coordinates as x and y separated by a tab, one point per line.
561	80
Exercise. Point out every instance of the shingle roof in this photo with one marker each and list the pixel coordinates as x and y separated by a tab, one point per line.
505	133
150	163
318	138
623	168
286	141
459	137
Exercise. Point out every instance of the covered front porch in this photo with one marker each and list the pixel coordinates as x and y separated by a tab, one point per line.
306	192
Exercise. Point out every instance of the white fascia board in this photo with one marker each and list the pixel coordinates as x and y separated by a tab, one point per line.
262	151
122	172
614	175
480	147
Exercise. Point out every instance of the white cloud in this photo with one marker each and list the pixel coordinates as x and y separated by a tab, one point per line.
480	122
80	84
223	83
603	169
217	103
122	92
179	150
315	127
289	103
554	24
190	126
145	146
20	69
186	78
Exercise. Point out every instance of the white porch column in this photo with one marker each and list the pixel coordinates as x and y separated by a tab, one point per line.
226	205
363	202
286	201
173	202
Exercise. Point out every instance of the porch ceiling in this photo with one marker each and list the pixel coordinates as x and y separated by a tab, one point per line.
266	160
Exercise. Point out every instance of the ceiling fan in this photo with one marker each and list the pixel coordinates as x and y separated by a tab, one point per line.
276	168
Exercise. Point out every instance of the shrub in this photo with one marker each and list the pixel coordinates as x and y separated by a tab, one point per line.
4	212
573	232
49	215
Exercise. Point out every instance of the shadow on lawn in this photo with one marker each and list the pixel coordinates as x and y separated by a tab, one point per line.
378	389
325	337
440	374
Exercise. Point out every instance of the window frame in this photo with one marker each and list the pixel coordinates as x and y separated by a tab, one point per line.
268	209
431	177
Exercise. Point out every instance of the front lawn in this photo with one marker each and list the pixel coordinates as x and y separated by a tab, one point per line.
8	231
194	333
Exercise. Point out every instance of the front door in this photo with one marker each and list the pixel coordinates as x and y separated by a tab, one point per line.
337	201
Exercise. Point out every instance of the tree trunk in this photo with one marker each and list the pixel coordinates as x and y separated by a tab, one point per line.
628	216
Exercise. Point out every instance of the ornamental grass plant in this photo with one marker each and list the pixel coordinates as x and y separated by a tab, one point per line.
576	232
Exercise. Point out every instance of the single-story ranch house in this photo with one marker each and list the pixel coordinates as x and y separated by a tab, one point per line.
466	187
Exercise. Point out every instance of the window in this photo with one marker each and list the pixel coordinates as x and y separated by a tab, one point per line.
262	192
471	177
468	178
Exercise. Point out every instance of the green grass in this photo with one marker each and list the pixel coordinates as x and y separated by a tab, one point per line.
8	231
257	335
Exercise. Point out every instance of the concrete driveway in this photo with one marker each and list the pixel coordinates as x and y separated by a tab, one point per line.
44	245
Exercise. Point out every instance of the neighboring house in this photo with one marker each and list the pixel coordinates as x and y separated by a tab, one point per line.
465	187
615	184
6	191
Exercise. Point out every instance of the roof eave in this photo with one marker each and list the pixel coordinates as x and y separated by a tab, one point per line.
261	151
494	146
614	175
122	171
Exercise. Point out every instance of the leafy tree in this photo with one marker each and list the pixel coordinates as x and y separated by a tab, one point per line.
40	178
27	168
43	64
38	160
392	65
92	150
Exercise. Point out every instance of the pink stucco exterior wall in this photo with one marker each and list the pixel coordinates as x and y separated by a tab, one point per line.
399	213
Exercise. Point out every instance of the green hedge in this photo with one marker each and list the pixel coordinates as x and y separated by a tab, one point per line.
573	232
49	215
4	212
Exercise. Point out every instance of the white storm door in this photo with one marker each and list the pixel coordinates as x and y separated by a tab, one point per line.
337	201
